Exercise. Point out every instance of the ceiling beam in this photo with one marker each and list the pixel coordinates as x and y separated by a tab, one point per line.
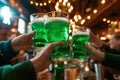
103	11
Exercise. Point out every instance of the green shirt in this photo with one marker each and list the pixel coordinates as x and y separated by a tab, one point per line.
21	71
112	59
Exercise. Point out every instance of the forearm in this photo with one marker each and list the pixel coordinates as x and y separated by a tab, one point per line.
98	43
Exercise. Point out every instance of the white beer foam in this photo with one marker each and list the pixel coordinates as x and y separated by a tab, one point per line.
81	33
55	19
38	20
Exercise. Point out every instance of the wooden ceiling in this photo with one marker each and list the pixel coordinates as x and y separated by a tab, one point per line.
109	10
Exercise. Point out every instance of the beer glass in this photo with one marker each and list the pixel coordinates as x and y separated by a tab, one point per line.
40	37
80	37
57	27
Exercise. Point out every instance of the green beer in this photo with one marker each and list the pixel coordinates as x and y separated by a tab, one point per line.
40	37
58	30
78	42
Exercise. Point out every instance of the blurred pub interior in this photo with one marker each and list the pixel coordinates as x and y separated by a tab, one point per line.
101	16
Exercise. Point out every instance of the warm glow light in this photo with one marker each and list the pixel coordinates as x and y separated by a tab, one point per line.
70	38
64	5
88	9
82	21
60	1
95	11
108	36
87	68
77	79
13	30
65	62
79	17
75	17
31	2
76	20
71	7
49	1
104	19
41	4
68	4
57	4
102	38
73	26
36	4
69	10
56	7
108	21
65	1
45	4
112	22
116	30
71	20
115	22
88	17
103	2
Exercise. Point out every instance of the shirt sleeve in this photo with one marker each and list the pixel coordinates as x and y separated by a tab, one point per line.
112	61
21	71
6	51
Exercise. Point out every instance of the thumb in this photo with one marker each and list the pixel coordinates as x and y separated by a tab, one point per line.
31	34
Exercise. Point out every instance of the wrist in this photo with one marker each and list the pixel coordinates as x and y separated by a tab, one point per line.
13	46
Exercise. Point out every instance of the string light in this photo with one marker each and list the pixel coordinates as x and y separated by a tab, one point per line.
103	2
64	5
34	2
95	11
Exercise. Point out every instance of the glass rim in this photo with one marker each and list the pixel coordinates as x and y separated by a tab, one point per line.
37	13
34	16
58	11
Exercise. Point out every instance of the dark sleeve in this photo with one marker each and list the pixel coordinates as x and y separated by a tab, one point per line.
21	71
112	61
6	52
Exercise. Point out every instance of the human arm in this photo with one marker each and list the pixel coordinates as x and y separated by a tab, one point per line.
44	56
107	59
28	70
6	52
10	48
97	42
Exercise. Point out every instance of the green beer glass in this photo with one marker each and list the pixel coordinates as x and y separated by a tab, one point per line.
80	37
40	37
57	27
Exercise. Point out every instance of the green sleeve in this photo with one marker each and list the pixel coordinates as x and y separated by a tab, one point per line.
6	50
112	61
21	71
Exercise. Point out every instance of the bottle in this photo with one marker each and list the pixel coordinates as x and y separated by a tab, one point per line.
59	71
51	71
